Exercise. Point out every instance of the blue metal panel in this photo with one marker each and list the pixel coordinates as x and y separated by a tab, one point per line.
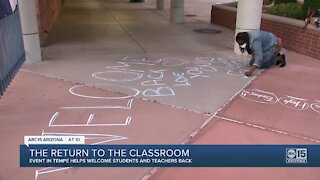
12	53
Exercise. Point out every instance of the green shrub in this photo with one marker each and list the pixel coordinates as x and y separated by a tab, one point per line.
312	4
284	1
291	10
267	2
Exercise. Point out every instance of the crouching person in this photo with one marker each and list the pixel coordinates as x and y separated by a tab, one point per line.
264	48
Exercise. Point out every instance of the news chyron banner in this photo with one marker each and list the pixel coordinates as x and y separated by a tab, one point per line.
71	151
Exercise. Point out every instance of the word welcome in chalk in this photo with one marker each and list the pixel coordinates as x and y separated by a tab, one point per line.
153	77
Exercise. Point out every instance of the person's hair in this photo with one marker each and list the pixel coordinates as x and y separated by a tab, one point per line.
244	36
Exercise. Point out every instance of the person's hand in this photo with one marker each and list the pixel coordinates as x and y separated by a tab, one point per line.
248	73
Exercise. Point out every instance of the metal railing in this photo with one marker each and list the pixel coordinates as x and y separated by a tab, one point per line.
12	54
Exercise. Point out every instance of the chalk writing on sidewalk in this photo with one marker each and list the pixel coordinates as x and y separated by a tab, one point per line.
94	138
130	92
174	62
76	119
316	106
156	78
87	122
259	96
296	103
161	91
162	77
117	75
180	79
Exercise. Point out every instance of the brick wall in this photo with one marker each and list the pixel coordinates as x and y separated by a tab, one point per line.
47	13
224	16
293	36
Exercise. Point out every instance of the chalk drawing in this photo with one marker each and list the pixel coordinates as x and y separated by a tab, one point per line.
90	119
105	138
227	63
49	170
123	67
181	79
204	61
129	70
294	102
115	76
142	61
316	106
207	68
53	118
135	92
159	72
125	64
195	72
153	83
128	106
204	64
161	91
90	124
172	62
259	96
235	72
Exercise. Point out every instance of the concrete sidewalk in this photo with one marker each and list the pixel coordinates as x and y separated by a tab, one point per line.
135	46
160	83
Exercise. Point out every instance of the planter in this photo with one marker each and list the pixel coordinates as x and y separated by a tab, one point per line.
289	30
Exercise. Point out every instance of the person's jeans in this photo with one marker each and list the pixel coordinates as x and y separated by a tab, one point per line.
269	59
251	62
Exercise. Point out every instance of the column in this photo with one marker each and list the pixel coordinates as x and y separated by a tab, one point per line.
248	17
30	31
161	4
177	11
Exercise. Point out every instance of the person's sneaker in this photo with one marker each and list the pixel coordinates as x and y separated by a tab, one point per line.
278	57
283	60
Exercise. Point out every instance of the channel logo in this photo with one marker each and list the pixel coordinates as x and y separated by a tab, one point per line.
296	155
